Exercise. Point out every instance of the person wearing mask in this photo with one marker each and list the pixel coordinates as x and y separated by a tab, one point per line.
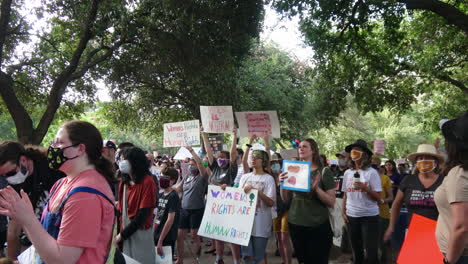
223	173
362	189
84	216
280	223
264	183
167	219
308	216
345	246
384	210
26	168
417	191
138	200
452	195
193	187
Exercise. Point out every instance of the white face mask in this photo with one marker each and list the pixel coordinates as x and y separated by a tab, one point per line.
19	177
125	167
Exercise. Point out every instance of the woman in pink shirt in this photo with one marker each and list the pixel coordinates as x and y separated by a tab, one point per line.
76	226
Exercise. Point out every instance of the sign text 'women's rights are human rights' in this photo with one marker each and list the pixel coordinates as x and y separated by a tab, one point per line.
229	215
182	133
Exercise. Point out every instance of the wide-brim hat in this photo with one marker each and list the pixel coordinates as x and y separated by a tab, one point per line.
456	130
361	143
426	149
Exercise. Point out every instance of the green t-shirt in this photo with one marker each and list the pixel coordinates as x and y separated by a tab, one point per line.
306	208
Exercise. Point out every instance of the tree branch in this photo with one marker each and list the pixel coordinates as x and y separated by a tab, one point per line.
5	13
20	65
453	15
454	82
64	78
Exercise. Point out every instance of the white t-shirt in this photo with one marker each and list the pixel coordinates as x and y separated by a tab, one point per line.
358	202
263	217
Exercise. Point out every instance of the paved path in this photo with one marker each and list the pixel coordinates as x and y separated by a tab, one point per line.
271	258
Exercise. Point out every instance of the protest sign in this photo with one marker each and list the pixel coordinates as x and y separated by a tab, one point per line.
289	154
183	153
216	142
217	119
260	123
229	215
379	147
400	161
420	244
298	175
181	134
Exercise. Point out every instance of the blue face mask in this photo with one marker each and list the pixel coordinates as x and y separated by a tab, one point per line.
275	168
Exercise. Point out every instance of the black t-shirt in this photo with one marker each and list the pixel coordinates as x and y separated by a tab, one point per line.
339	175
167	204
418	199
224	175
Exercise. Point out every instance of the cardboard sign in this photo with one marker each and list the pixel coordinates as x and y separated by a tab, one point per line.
260	123
217	119
181	134
420	244
298	175
379	147
289	154
216	143
184	153
229	215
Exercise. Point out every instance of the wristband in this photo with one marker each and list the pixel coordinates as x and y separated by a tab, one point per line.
248	145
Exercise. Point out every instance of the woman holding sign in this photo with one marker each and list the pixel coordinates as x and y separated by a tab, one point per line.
309	223
193	187
223	172
260	180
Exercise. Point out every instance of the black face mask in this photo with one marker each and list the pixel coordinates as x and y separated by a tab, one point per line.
56	158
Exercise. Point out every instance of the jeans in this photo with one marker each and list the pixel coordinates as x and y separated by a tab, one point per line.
312	244
364	234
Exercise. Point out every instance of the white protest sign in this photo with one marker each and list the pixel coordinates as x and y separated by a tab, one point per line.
217	119
258	123
298	175
229	215
181	134
183	153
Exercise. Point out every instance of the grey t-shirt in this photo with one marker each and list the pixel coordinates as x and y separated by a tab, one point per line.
193	191
223	175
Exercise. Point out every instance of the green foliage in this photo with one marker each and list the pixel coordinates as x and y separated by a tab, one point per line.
380	53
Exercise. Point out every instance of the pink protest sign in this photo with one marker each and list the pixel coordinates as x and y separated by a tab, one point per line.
260	123
217	119
379	147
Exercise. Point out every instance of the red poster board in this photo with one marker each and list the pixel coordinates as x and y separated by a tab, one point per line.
420	244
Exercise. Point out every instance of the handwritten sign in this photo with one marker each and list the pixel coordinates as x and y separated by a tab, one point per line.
229	215
217	119
298	175
181	134
260	123
379	147
184	153
420	244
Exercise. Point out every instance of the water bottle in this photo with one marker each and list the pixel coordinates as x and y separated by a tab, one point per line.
356	178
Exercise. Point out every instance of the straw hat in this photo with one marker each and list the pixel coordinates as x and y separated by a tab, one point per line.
426	149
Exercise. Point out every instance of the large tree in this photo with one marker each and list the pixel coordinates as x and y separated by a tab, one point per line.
46	67
386	53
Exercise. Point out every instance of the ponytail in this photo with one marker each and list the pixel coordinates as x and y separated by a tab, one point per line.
104	167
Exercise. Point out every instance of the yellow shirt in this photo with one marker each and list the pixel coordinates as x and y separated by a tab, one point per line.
384	209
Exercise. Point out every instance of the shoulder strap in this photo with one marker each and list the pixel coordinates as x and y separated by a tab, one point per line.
55	186
88	190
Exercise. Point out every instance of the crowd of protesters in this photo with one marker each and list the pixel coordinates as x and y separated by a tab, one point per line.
87	200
